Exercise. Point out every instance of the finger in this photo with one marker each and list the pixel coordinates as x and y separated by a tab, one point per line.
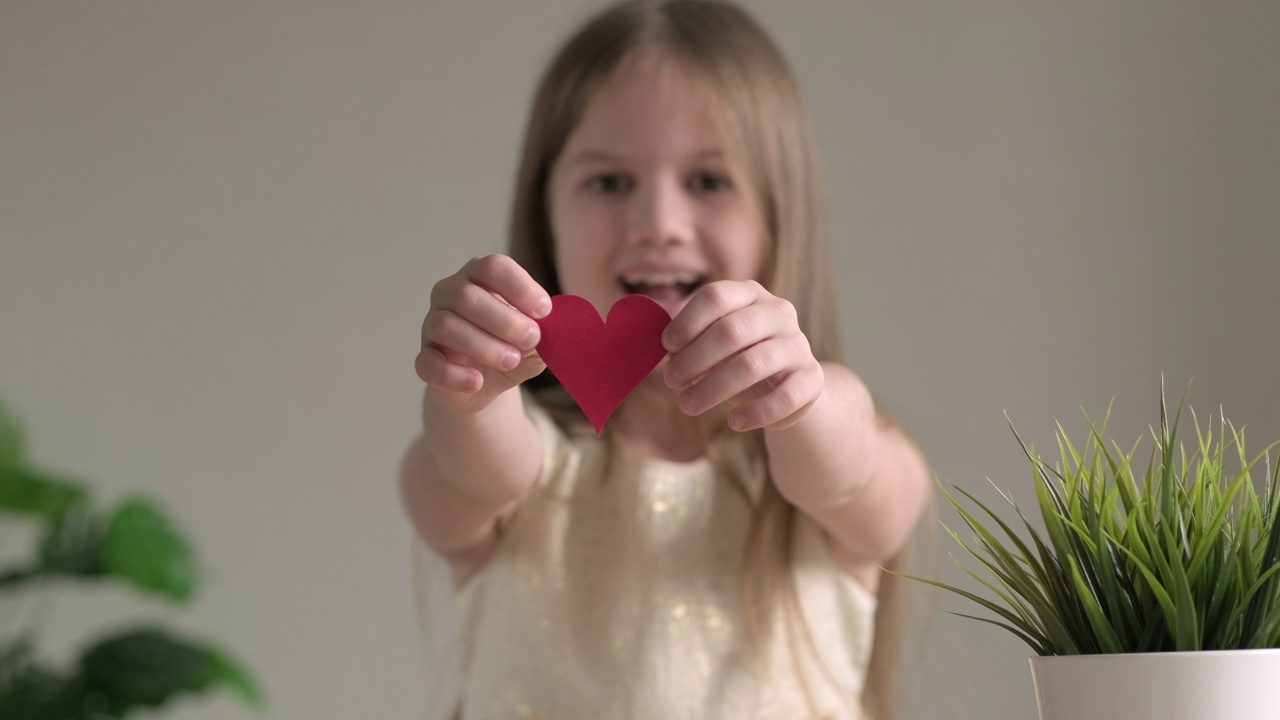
755	392
782	406
726	336
438	372
504	277
738	373
449	330
708	304
528	368
486	311
455	357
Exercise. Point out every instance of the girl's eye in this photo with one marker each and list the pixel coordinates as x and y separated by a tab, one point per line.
705	182
609	183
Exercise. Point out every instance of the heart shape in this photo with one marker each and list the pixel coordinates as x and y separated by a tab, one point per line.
599	362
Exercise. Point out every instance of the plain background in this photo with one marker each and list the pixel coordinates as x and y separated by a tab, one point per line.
219	224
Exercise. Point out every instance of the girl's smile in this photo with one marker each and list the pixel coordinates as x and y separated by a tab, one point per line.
669	285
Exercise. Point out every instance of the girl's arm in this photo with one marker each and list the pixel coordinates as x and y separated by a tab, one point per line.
855	474
465	474
853	471
478	452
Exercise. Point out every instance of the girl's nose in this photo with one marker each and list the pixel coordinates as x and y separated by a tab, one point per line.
660	214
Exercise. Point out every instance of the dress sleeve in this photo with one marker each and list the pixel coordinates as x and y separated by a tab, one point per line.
443	609
437	623
837	608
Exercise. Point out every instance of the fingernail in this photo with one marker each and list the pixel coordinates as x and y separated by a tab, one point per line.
670	378
736	422
686	404
531	338
543	308
668	343
510	359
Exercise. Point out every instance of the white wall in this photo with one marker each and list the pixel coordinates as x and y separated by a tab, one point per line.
219	223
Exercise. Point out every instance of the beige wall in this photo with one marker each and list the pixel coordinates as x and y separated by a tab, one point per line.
219	223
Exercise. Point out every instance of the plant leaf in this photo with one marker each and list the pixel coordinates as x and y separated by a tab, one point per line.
30	492
1266	593
73	544
146	667
31	692
1040	649
145	548
1102	631
13	441
993	607
1185	557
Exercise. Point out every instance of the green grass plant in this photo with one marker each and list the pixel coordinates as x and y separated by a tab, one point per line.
1179	555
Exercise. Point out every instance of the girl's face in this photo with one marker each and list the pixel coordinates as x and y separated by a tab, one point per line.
642	197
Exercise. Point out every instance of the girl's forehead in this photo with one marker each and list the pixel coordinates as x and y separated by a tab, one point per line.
650	100
655	74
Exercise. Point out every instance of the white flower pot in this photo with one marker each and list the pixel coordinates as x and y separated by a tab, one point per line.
1225	684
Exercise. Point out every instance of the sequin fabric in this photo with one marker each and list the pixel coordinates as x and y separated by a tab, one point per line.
616	592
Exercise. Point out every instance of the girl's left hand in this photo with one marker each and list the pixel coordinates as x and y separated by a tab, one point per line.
736	342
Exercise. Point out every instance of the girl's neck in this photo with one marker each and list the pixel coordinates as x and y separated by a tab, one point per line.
649	425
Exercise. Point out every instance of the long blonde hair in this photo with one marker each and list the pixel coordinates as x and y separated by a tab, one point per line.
745	72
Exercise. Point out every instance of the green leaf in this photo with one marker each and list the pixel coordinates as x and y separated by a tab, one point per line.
73	544
1102	630
13	441
24	489
1041	648
1010	571
27	491
1014	591
1114	586
993	607
1023	552
146	667
1184	557
1123	473
1266	593
1187	628
145	548
1049	617
1213	528
31	692
1260	586
36	694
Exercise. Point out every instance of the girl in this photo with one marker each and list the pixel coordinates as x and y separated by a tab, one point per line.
718	552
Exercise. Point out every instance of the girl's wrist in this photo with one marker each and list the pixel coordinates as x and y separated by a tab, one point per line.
842	421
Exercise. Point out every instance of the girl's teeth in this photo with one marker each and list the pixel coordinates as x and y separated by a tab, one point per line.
660	279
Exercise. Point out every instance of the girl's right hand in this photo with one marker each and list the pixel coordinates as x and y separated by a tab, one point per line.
479	335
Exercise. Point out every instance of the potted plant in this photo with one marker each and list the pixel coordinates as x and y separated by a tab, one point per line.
135	544
1153	592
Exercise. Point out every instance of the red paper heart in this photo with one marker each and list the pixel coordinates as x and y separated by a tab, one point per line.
601	362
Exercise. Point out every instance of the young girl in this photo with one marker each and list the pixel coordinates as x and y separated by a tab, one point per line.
717	553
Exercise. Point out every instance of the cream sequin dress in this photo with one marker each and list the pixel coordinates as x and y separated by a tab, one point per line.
615	592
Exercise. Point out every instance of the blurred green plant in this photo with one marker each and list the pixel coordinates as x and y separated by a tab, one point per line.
135	544
1184	556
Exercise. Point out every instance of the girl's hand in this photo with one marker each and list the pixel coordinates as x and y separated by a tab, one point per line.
479	334
735	342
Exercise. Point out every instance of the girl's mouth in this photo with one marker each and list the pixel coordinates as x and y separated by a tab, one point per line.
670	290
663	286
